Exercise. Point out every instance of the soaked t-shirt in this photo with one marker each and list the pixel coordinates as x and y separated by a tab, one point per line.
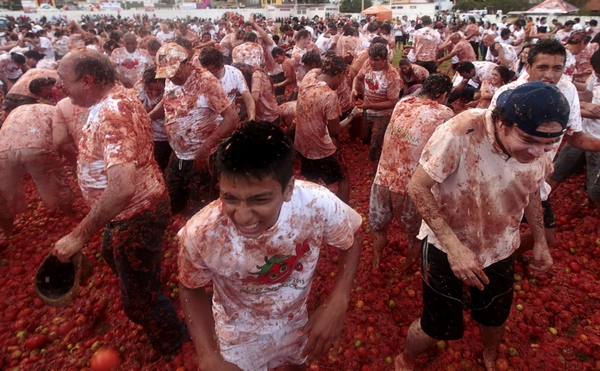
191	111
118	132
249	53
130	66
21	87
159	134
412	124
261	284
266	105
316	105
28	126
426	41
380	86
480	190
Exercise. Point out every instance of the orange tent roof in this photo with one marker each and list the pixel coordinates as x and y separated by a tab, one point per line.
553	6
381	13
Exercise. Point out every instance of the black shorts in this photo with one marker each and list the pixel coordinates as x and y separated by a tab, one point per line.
330	169
398	38
549	219
445	296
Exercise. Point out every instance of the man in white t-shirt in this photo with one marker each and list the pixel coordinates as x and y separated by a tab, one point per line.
232	80
259	246
471	214
129	61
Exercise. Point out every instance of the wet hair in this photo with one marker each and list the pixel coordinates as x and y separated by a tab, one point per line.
464	67
257	150
247	71
312	57
504	32
277	51
436	85
404	62
379	40
18	58
372	27
154	44
36	85
426	20
302	34
333	66
378	50
182	41
34	54
348	30
210	56
95	64
546	46
505	74
569	23
250	36
595	61
386	27
149	76
110	45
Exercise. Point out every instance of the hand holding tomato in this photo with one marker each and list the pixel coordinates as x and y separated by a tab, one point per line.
324	328
67	246
542	260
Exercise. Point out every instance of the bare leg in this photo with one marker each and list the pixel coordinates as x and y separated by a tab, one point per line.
343	192
491	339
417	341
379	243
412	253
7	226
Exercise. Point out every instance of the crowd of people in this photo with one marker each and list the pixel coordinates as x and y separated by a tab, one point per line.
205	119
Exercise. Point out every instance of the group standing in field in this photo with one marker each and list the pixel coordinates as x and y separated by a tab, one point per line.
463	120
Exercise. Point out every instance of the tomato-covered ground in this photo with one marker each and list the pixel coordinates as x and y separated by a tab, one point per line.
554	323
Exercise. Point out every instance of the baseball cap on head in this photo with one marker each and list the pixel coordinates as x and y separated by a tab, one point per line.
533	104
168	59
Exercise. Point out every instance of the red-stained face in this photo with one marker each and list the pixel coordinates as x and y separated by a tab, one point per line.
527	148
378	63
155	89
253	205
73	88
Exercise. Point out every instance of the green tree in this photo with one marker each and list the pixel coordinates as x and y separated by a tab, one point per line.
353	6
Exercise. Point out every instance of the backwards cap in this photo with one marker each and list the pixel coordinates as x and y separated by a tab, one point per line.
533	104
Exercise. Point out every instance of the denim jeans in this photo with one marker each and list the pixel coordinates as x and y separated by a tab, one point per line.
133	250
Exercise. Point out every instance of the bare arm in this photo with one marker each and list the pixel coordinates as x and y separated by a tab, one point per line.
584	141
158	112
325	325
336	126
462	260
196	305
542	260
119	191
226	127
250	106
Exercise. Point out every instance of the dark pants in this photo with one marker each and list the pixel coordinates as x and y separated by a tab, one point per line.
430	66
276	79
162	153
133	250
189	189
475	46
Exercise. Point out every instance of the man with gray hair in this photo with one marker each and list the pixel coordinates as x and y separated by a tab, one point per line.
122	183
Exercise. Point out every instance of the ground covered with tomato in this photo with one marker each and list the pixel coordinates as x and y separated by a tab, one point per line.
554	323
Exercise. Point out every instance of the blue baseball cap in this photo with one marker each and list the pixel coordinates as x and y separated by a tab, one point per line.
533	104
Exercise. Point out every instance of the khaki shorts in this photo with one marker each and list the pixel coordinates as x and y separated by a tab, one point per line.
283	347
385	205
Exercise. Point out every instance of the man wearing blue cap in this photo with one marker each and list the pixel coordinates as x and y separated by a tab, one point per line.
477	176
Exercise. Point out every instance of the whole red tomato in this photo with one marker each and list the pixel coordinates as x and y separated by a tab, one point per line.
105	359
